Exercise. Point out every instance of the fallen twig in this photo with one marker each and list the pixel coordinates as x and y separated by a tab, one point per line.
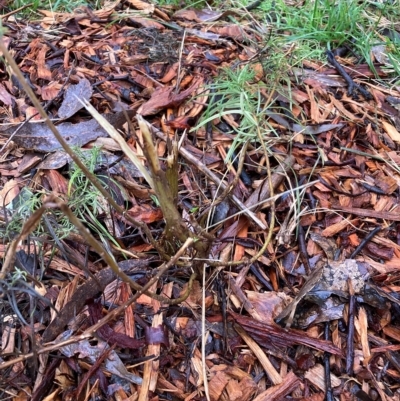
365	241
351	84
350	331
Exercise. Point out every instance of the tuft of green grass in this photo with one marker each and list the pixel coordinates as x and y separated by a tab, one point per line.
297	33
21	208
84	200
235	93
318	25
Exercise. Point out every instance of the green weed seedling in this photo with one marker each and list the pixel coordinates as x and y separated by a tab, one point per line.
83	198
20	209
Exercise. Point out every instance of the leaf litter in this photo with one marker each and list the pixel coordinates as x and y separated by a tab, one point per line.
313	315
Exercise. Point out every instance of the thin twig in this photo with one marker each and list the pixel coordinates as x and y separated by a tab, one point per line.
365	241
4	16
328	383
303	249
178	77
350	330
351	84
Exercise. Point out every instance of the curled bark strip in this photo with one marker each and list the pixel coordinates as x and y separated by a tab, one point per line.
265	334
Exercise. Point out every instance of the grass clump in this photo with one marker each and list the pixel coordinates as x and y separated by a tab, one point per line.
232	96
85	201
58	5
238	97
318	25
323	20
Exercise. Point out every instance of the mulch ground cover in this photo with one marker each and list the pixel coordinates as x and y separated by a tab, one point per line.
299	296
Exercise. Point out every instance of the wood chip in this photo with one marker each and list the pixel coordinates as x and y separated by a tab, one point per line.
275	393
316	376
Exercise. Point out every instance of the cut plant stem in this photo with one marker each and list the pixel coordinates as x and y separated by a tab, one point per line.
177	230
201	167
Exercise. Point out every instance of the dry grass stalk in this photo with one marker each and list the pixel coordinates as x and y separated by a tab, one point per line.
271	372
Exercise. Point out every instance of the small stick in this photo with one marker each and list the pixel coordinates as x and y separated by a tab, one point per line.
222	299
365	241
303	249
332	163
246	179
255	270
326	184
352	85
311	198
214	98
178	75
328	383
350	331
4	16
373	188
271	372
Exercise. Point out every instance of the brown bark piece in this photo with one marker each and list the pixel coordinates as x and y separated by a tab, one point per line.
150	371
249	388
43	72
217	385
28	161
336	228
272	373
164	385
265	334
277	392
164	97
387	184
394	216
234	391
